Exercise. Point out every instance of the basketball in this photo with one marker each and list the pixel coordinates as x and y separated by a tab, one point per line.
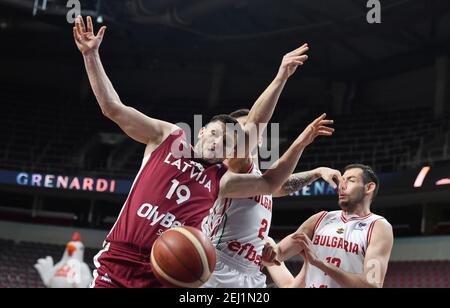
183	257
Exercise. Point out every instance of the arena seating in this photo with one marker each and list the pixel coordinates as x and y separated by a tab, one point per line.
66	137
17	271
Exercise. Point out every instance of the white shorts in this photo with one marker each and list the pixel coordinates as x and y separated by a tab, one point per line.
230	273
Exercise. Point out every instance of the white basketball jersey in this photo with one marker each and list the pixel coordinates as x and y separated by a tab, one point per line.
342	241
239	227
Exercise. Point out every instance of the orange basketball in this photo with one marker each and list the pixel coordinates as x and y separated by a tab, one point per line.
183	257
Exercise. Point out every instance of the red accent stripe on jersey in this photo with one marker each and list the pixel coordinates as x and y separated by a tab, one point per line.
345	220
225	206
369	233
318	221
250	169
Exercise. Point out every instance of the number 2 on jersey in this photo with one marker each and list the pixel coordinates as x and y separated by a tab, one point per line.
265	225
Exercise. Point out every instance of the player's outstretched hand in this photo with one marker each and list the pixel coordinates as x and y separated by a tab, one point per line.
87	42
331	176
317	128
291	61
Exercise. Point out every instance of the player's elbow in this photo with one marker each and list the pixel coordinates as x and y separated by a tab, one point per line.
111	110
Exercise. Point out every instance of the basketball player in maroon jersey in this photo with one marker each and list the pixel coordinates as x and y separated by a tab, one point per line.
172	189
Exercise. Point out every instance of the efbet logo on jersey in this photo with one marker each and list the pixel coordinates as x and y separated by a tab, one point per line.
340	230
361	226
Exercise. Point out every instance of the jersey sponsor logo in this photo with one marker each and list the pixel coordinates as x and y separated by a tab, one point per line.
330	221
361	226
193	170
151	213
336	242
340	230
246	250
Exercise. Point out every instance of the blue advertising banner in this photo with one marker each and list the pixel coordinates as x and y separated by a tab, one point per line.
421	179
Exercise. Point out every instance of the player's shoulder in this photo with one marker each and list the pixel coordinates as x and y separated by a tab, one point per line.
380	228
378	219
382	223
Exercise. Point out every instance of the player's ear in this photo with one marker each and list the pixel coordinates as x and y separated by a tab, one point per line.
371	187
201	132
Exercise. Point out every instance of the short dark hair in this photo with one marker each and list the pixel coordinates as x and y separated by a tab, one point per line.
240	113
224	118
368	175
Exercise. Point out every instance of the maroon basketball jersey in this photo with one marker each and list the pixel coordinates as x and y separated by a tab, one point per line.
168	191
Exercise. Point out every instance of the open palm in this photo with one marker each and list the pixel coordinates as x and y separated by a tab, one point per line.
316	128
85	38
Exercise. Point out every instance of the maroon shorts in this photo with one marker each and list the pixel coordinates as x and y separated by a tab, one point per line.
120	265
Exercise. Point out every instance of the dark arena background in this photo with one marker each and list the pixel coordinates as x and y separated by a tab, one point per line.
66	168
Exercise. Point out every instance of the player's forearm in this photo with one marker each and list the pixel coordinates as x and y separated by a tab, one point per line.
262	110
287	249
283	167
280	275
297	181
345	279
107	97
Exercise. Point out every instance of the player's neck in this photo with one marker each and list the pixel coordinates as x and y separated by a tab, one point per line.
359	210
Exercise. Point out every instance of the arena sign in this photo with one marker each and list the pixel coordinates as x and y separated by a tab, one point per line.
65	182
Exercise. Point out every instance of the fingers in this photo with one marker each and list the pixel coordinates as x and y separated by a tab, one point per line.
90	27
326	128
79	25
302	58
76	36
324	133
338	177
330	181
83	26
326	122
101	32
320	118
300	50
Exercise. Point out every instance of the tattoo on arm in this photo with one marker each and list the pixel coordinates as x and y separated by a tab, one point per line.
298	180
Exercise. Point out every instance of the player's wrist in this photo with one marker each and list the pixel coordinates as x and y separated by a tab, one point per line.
91	53
280	78
316	173
319	264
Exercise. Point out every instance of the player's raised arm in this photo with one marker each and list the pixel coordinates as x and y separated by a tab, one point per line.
262	110
298	180
234	185
134	123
